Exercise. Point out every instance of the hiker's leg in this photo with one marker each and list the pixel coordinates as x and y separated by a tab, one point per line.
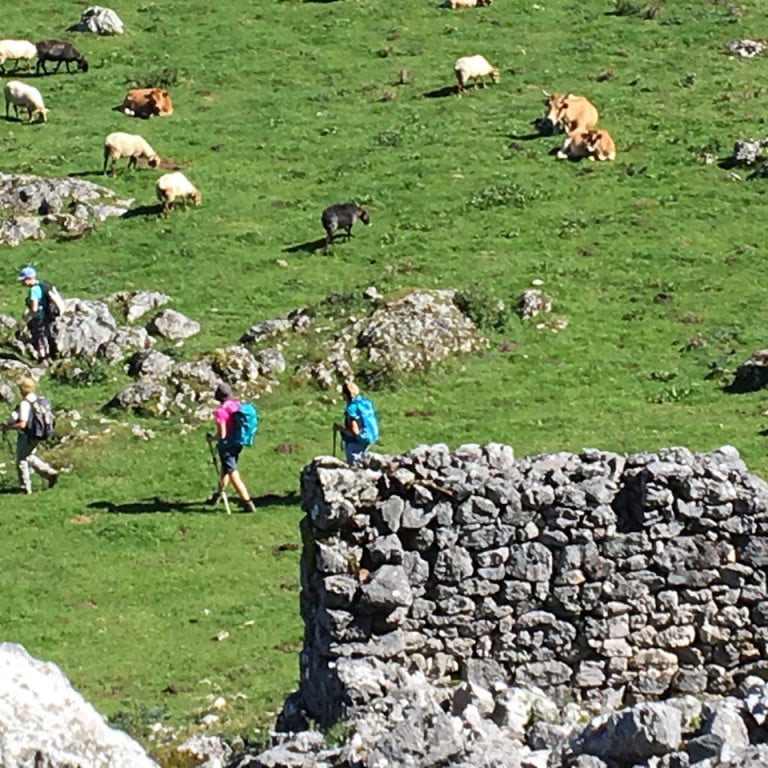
239	486
353	451
24	447
37	328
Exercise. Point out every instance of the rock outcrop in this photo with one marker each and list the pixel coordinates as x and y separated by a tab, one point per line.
28	204
404	334
46	722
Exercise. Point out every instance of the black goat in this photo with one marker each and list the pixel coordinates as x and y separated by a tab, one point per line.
341	216
58	51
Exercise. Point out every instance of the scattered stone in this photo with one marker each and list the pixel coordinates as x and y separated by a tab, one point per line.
532	302
101	21
747	48
136	304
748	151
172	325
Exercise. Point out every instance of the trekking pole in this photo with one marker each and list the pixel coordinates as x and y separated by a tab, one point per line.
334	443
219	484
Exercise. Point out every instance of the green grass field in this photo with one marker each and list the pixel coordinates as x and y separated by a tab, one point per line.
121	575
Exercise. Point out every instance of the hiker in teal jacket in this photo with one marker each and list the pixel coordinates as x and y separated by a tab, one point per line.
36	316
361	427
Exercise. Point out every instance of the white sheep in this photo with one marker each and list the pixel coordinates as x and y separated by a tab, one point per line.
22	95
474	68
171	186
17	50
119	144
466	3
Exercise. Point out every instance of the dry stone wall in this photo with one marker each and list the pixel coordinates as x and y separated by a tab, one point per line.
599	578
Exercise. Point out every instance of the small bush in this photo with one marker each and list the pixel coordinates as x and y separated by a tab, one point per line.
83	372
494	195
166	78
486	311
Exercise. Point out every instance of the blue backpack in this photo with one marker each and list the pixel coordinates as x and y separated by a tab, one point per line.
244	422
362	410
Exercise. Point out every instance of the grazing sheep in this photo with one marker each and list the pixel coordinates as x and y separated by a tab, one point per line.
466	3
22	95
171	186
58	51
18	50
341	216
474	68
118	144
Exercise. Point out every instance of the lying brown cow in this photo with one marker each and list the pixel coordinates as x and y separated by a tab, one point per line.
567	113
145	102
594	144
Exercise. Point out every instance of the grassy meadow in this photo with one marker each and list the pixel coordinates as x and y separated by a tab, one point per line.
121	576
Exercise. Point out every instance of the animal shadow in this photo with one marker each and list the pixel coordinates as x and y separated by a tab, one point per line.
726	163
441	93
311	246
143	210
82	174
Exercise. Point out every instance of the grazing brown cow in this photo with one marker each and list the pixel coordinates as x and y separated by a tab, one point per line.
145	102
567	113
594	144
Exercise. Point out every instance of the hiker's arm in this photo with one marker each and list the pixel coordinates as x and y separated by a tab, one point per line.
18	424
352	430
221	430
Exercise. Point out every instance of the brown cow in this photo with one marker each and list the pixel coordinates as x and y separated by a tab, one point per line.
145	102
567	113
594	144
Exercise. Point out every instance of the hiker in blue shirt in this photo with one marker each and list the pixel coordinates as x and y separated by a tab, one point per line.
361	427
35	314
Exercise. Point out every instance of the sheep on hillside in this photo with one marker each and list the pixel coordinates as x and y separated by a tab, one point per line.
119	144
474	68
22	95
172	186
341	216
466	3
58	51
17	50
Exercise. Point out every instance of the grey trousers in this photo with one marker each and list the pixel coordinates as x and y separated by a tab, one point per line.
27	461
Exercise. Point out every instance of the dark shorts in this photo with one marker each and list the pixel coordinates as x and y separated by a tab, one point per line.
229	455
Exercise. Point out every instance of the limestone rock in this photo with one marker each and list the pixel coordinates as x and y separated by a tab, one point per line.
405	334
136	304
44	721
172	325
71	204
101	21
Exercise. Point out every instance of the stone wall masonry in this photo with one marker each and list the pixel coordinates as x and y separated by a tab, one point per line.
600	578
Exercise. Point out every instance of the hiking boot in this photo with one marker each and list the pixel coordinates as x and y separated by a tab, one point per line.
52	480
214	498
248	506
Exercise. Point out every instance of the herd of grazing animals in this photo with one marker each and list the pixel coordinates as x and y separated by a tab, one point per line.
573	115
138	102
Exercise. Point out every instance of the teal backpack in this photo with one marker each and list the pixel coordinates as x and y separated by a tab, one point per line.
245	423
369	422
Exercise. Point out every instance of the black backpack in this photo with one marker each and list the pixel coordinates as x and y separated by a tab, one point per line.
41	421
